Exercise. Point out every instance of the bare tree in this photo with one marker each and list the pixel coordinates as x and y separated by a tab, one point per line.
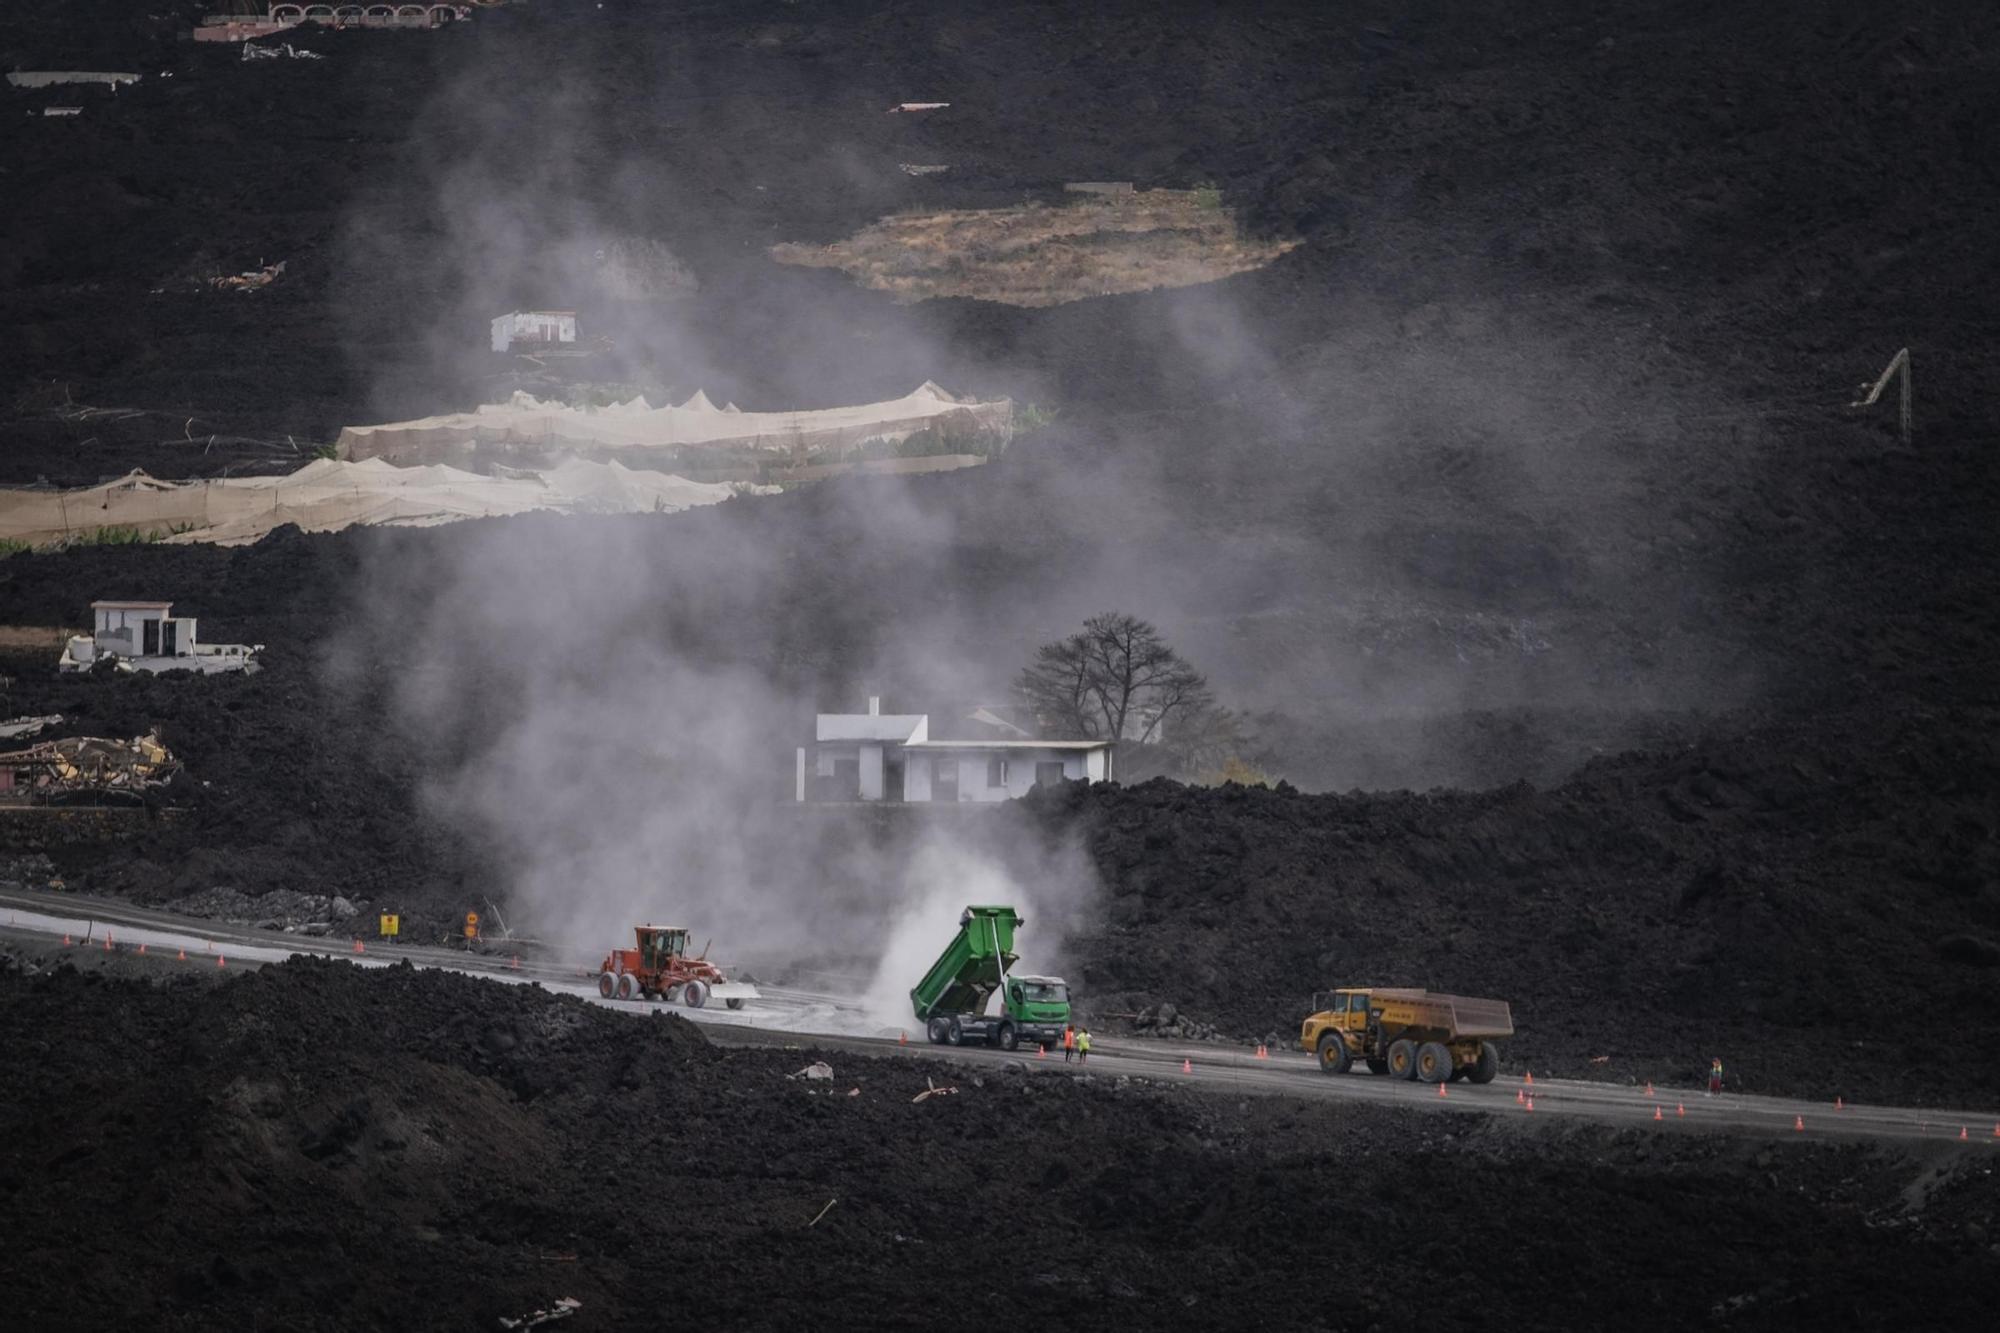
1116	679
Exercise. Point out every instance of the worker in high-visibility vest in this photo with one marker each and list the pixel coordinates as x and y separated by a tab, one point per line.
1069	1041
1715	1076
1083	1045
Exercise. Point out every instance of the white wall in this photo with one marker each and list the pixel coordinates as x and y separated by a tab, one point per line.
973	767
871	772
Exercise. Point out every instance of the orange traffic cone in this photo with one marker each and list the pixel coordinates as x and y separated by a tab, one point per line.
357	945
1530	1076
516	964
1799	1123
1519	1099
1263	1054
1657	1115
182	957
1680	1108
1649	1089
1042	1052
1531	1103
1996	1129
1187	1067
902	1037
142	948
1961	1133
1838	1105
219	960
1441	1091
65	940
107	944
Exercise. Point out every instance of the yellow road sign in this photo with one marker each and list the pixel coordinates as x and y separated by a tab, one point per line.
392	925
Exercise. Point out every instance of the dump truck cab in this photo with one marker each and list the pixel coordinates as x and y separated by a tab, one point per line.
1408	1034
952	999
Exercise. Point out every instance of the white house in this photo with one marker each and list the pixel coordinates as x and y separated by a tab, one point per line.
875	756
146	636
534	326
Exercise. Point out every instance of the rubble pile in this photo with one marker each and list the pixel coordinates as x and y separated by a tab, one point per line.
279	909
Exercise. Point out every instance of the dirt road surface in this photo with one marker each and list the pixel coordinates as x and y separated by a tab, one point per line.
787	1017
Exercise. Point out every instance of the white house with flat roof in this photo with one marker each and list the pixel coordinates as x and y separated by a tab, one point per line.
147	636
875	756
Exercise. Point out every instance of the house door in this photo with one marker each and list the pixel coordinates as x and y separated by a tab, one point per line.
944	780
847	779
149	638
170	637
892	778
1048	773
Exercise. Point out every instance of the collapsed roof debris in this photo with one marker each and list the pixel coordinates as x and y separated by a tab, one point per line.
563	1308
287	51
327	494
251	281
19	727
634	430
86	770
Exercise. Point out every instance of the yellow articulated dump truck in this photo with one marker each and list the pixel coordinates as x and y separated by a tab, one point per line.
1410	1034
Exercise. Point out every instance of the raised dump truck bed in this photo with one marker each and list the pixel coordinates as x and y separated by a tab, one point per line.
1405	1033
952	999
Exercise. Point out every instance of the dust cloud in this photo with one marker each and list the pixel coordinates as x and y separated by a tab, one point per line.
1365	522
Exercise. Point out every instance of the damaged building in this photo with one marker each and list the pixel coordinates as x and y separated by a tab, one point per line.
86	770
147	636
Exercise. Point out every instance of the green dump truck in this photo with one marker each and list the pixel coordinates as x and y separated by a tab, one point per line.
952	999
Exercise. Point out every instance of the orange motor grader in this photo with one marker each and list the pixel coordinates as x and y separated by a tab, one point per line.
660	969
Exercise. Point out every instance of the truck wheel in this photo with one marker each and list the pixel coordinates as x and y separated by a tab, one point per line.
1488	1066
1010	1040
1376	1065
607	985
695	996
954	1035
938	1030
1402	1058
1334	1057
1433	1062
734	1002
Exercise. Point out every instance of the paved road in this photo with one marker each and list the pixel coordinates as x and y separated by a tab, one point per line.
832	1023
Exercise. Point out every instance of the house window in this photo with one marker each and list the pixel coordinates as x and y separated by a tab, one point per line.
1048	773
996	772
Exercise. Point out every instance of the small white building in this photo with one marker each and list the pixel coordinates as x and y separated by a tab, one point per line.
876	756
534	326
147	636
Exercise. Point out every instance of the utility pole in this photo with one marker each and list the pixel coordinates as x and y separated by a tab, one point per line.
1899	362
